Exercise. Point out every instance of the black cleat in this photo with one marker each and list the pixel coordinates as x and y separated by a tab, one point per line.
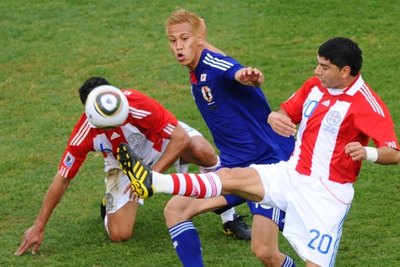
237	228
103	208
141	176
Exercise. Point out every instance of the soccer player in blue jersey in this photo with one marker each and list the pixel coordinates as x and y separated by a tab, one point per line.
229	97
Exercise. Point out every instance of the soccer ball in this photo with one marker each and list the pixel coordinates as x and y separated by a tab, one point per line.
106	107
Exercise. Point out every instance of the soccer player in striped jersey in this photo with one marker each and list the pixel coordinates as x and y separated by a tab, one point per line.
150	129
335	114
235	109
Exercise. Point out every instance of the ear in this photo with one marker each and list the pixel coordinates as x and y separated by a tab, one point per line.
201	38
345	72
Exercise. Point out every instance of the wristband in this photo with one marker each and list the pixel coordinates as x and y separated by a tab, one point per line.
372	153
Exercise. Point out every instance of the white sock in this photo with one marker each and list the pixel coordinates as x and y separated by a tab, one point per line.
212	168
227	216
163	183
204	185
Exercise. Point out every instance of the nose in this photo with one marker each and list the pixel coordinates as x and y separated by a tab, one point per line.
179	44
317	70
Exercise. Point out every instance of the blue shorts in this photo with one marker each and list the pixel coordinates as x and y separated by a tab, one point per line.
272	213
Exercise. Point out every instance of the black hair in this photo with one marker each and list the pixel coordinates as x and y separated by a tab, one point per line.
342	52
89	85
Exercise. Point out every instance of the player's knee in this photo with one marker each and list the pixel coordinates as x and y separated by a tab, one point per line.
169	212
266	255
207	151
177	211
121	235
203	152
172	210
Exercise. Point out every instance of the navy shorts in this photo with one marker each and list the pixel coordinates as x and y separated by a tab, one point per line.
272	213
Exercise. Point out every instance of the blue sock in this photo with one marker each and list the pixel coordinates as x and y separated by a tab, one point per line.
186	242
288	262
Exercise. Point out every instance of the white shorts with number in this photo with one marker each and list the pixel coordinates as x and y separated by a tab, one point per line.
315	210
116	181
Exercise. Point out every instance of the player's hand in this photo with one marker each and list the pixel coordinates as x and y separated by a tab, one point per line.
250	76
33	237
132	195
281	124
356	151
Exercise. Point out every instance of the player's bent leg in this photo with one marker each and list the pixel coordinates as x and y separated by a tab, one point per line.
120	210
120	224
201	153
243	182
179	209
311	264
264	242
185	239
267	222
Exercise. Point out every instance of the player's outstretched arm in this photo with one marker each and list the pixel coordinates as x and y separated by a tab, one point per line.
179	142
33	237
381	155
281	123
250	76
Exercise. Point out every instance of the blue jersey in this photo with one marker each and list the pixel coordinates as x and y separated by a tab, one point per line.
236	114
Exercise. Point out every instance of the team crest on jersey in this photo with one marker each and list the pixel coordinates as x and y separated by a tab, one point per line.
207	95
69	160
135	138
203	77
333	118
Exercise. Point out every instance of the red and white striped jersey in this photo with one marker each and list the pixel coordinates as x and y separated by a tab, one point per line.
328	119
147	130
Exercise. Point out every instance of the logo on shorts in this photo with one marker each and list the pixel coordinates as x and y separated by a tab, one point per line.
109	202
69	160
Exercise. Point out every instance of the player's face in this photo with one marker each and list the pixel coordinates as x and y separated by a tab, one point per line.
329	74
185	44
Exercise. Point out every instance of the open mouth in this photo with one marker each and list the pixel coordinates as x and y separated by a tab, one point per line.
180	56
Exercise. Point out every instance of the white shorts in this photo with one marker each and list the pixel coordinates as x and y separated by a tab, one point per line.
116	183
189	130
315	210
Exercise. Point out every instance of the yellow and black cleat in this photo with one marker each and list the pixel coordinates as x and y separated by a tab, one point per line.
140	175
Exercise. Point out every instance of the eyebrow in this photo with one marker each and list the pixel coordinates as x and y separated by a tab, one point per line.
323	65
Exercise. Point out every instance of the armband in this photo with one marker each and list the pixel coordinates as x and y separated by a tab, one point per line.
372	153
